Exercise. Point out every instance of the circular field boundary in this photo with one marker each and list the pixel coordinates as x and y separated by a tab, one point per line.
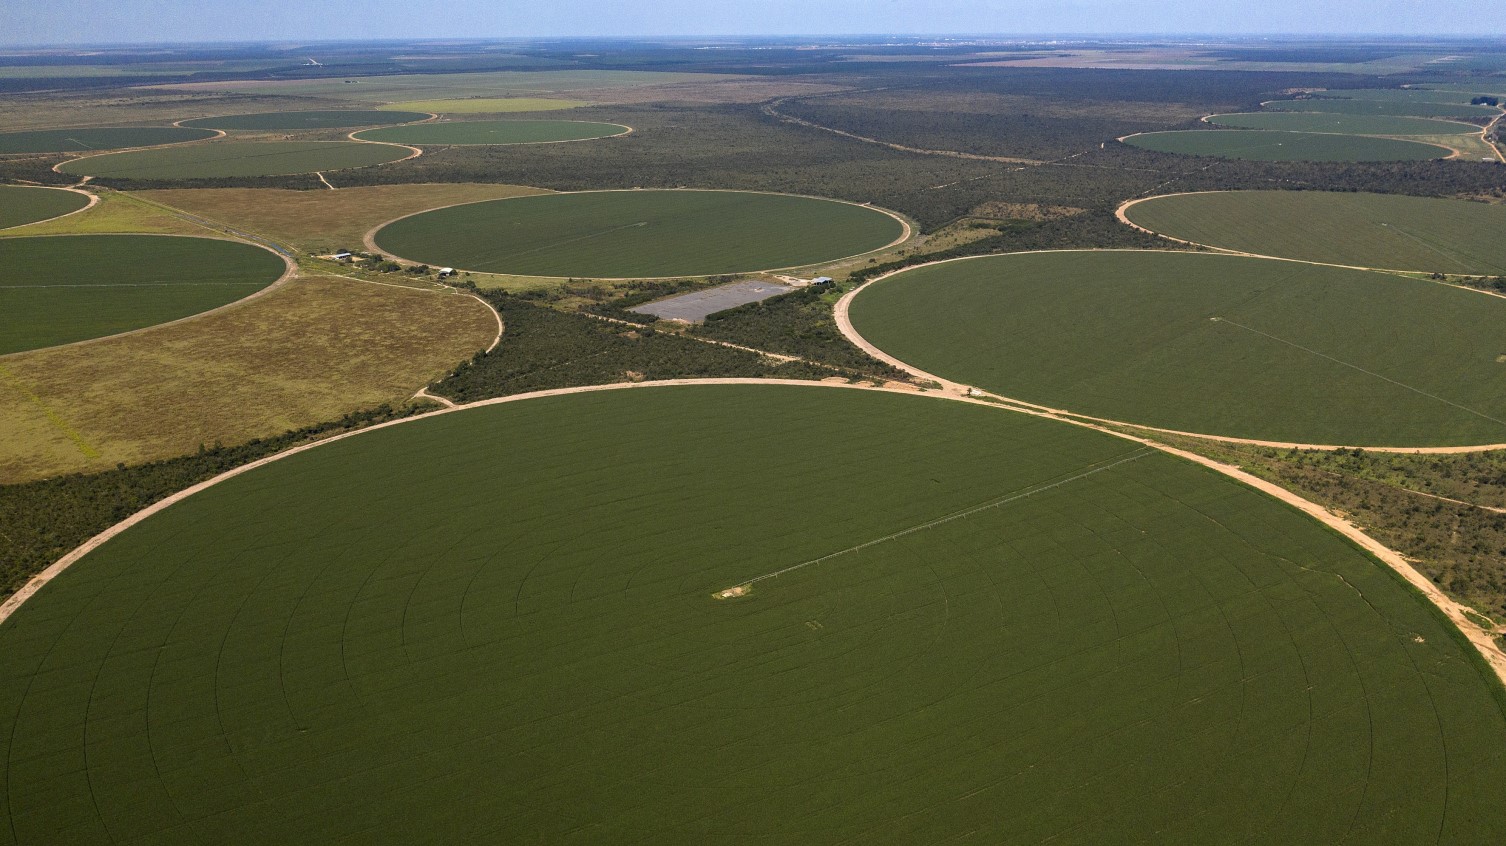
842	314
93	201
1486	649
1483	133
1208	119
413	153
434	121
1122	214
220	134
907	231
289	273
1124	139
179	122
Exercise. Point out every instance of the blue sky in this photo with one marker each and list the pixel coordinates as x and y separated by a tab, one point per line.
97	21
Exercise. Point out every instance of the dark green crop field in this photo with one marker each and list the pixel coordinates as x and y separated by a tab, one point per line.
613	234
22	204
236	158
62	289
1362	230
494	132
1397	106
1270	146
1342	123
84	140
1225	345
327	119
472	628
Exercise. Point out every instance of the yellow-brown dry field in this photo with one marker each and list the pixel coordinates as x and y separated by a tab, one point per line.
309	352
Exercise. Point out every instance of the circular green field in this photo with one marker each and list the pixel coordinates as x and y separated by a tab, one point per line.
1271	146
616	234
62	289
1225	345
1343	124
328	119
236	158
1361	230
85	140
494	132
1389	106
23	204
471	628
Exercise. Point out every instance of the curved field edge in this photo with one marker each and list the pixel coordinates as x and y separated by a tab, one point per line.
1213	514
906	231
55	203
120	316
432	133
1388	232
1329	147
1185	345
199	161
273	121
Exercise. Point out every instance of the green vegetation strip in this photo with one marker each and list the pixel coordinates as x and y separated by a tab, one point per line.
22	204
1362	230
1270	146
493	132
1223	345
328	119
1342	123
1414	108
58	290
236	158
616	234
86	140
473	627
487	105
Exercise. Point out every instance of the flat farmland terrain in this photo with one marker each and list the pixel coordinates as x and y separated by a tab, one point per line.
1271	146
333	219
1362	230
470	628
1342	123
23	204
1224	345
313	119
235	158
494	132
308	352
616	234
62	289
1414	108
86	140
486	105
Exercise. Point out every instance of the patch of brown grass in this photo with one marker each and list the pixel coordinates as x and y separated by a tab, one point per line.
305	353
324	219
1023	211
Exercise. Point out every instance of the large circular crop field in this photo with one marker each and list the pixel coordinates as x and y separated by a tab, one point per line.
1388	106
1343	124
313	119
614	234
62	289
1223	345
236	158
471	628
86	140
494	132
1361	230
1273	146
23	204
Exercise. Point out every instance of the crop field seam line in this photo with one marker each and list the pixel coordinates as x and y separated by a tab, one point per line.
1028	491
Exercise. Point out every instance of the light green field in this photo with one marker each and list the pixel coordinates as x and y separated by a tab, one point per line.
486	105
23	204
236	158
1399	106
472	628
494	132
1269	146
62	289
1225	345
1362	230
328	119
614	234
1342	124
84	140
